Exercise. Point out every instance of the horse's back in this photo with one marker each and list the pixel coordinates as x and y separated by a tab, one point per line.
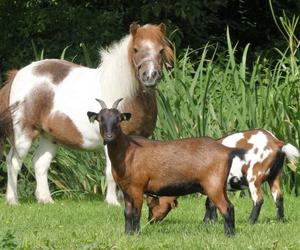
55	96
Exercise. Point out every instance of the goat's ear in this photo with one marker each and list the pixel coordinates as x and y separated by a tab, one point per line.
92	116
125	117
152	201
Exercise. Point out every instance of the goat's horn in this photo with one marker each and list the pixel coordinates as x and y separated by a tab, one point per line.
102	103
116	103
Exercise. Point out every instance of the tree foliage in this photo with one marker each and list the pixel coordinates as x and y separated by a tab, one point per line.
54	24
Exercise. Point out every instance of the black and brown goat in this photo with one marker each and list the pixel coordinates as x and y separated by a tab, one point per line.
263	161
172	168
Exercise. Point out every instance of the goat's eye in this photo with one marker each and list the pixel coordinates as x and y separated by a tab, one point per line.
135	50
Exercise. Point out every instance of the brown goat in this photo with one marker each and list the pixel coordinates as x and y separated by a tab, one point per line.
264	160
178	167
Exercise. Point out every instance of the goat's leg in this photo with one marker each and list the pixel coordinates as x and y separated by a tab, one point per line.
257	198
128	216
221	201
41	162
210	213
111	193
137	196
277	196
14	163
133	208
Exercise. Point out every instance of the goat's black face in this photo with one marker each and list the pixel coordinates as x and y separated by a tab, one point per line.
109	123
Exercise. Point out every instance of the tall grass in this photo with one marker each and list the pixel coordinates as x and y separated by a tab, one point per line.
216	94
220	94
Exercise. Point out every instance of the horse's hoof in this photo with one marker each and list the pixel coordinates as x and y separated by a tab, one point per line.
45	200
113	202
12	201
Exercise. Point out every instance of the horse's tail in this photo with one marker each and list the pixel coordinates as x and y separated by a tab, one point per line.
6	111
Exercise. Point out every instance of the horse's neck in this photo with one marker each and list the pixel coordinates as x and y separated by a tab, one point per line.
117	77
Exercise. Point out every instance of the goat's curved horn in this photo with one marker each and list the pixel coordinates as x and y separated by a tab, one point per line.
116	103
102	103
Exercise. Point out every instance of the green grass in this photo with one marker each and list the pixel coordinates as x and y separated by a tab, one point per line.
70	224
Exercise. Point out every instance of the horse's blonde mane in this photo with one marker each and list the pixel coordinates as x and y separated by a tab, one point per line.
116	74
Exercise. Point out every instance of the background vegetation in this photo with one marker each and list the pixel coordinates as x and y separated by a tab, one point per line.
54	24
220	86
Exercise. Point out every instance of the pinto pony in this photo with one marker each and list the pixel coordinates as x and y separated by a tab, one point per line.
55	95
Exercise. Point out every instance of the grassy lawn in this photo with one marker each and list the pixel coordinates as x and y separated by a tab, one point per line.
70	224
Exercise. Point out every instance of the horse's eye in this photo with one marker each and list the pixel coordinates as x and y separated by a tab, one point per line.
162	51
135	50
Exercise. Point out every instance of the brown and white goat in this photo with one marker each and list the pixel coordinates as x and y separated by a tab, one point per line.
263	161
178	167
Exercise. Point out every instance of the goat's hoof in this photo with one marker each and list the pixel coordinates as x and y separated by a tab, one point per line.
281	220
252	222
230	234
209	221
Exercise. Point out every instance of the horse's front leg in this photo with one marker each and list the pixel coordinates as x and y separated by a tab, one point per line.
111	194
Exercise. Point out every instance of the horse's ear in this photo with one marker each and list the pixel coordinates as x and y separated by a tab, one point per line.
162	28
125	117
92	116
133	28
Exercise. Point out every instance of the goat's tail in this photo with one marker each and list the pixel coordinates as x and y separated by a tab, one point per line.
291	152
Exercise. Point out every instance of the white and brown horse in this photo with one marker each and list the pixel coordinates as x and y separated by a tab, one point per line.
54	97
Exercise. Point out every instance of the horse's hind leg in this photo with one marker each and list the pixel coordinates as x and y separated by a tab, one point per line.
41	162
111	193
14	163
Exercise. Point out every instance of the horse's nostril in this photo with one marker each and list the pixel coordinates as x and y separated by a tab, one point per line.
154	74
145	76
